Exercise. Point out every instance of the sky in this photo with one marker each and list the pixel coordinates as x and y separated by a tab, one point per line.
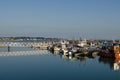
89	19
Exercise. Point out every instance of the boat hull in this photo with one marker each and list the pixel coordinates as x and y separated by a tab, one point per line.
107	55
110	55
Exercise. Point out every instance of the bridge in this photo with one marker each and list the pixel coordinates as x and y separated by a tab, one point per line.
41	45
24	53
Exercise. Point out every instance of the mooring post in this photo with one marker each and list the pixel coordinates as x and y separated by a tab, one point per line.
8	48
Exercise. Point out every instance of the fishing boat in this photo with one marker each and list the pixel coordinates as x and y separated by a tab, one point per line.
111	52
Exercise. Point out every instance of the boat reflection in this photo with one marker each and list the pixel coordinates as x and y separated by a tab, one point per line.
113	63
56	52
74	58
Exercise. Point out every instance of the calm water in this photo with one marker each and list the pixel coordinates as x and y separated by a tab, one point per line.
56	67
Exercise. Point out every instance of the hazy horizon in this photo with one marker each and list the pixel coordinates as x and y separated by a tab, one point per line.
88	19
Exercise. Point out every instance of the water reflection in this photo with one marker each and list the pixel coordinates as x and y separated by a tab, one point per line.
55	52
24	53
114	64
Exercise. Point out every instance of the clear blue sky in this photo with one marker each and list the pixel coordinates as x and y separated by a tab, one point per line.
96	19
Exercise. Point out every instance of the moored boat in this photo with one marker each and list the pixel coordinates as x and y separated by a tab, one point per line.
107	55
113	52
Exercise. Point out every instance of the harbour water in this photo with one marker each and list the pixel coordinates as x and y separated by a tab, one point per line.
55	67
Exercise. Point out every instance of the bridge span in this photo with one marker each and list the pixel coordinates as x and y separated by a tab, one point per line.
41	45
24	53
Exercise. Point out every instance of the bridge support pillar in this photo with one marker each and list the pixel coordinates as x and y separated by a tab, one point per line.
8	48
